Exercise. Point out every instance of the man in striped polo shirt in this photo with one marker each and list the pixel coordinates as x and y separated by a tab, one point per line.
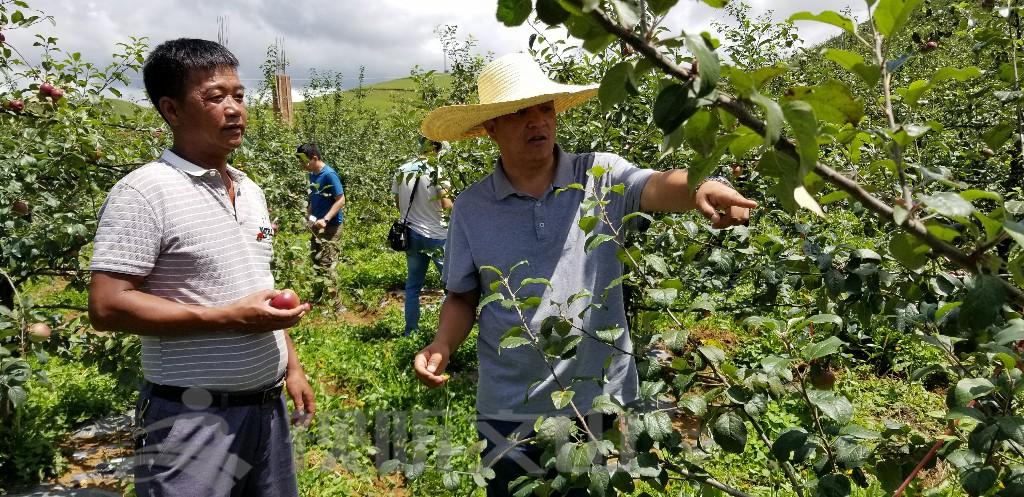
182	258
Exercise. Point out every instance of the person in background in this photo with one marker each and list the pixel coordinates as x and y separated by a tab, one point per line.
417	181
182	257
325	214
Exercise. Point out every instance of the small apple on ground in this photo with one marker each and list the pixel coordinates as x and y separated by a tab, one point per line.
39	332
287	299
21	207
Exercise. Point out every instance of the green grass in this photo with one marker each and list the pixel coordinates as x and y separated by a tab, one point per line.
385	95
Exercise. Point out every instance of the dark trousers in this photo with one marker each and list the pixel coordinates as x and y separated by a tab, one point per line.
510	461
184	450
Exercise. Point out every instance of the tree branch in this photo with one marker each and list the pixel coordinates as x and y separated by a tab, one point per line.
746	117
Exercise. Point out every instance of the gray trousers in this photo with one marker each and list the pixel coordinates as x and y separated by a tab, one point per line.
186	450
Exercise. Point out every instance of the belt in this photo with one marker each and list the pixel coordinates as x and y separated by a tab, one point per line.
222	399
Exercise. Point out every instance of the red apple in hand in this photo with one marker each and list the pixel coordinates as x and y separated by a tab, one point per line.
287	299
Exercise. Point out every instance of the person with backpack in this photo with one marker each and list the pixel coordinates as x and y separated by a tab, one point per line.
421	198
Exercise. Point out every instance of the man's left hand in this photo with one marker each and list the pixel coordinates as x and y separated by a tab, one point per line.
301	394
722	205
320	224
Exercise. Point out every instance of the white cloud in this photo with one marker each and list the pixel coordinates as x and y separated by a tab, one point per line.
387	37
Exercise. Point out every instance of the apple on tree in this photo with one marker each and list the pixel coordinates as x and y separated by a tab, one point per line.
21	207
39	332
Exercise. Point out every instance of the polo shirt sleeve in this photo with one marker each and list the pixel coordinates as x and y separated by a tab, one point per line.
634	179
459	273
336	186
129	234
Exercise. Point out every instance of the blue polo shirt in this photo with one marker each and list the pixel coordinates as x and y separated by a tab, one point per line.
324	188
492	224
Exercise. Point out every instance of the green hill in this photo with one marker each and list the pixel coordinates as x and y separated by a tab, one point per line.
384	95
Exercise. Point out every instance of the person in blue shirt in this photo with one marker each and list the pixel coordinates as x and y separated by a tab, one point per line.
325	212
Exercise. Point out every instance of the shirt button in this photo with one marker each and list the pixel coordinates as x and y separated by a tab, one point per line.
541	225
538	204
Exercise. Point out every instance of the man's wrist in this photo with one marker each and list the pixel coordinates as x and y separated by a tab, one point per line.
715	179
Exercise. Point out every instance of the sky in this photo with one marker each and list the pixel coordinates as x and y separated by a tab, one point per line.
387	37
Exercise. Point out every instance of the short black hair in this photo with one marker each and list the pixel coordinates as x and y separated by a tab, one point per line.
171	64
310	149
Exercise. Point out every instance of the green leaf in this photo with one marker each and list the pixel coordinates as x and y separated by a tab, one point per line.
712	353
514	12
977	480
663	296
853	62
913	93
488	299
661	6
948	204
451	480
1015	230
983	302
600	480
606	405
695	404
1011	428
658	425
610	335
555	430
826	347
596	241
513	342
701	131
832	102
997	135
969	389
789	443
831	404
709	68
834	485
615	85
535	281
909	251
1012	333
773	118
800	116
891	15
730	433
674	105
551	12
561	398
827	17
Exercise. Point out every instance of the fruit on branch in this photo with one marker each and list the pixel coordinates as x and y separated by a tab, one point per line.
39	332
16	105
21	207
987	152
822	377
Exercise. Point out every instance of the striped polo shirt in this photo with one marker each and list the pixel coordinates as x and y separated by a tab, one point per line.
172	222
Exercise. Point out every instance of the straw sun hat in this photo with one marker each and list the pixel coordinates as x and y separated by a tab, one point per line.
506	85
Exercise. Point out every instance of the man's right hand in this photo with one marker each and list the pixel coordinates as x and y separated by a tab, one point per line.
254	313
430	364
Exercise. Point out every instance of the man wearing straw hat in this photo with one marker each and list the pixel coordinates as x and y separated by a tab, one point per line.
523	211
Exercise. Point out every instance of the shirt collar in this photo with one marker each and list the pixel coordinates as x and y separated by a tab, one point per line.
563	175
176	161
